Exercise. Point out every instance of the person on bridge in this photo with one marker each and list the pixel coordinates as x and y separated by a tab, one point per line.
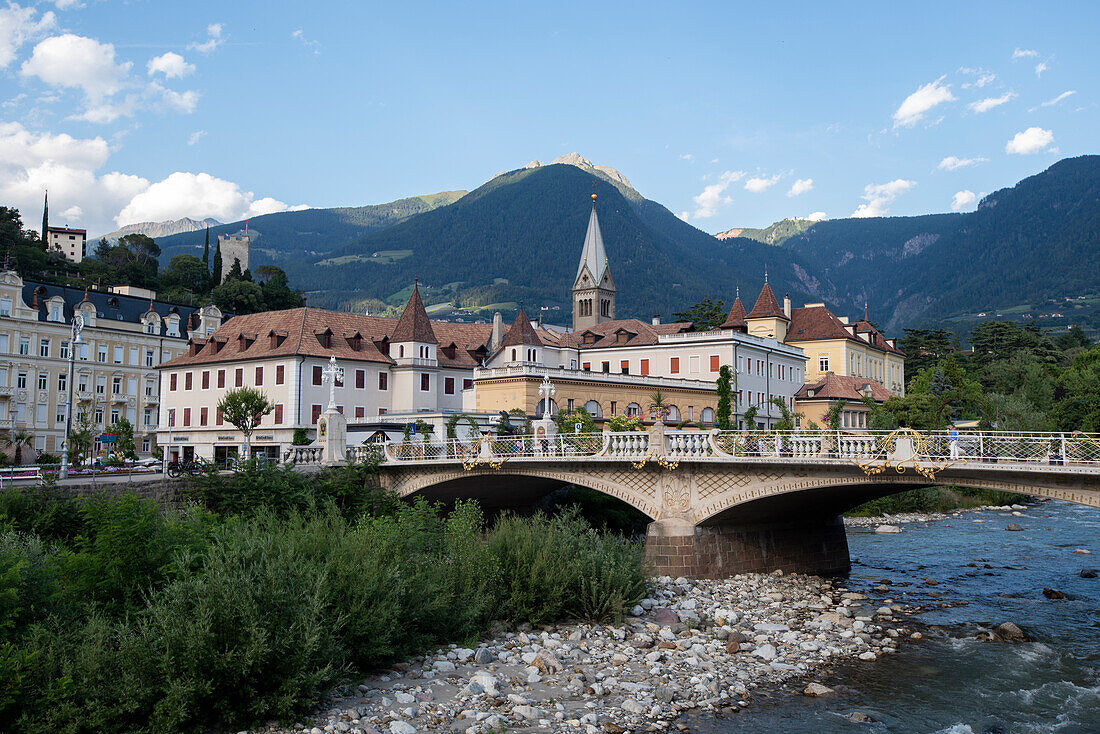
953	441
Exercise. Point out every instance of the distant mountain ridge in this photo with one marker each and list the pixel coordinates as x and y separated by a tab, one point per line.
161	229
774	234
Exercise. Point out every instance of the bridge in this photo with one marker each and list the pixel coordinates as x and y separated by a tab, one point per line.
726	502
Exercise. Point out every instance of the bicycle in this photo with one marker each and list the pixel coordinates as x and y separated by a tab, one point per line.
192	467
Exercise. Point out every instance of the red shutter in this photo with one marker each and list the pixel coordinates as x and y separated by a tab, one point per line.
205	379
218	418
204	415
187	381
278	414
238	376
172	381
221	378
674	365
449	385
316	413
360	412
259	376
714	363
645	367
279	372
316	374
186	416
383	380
360	379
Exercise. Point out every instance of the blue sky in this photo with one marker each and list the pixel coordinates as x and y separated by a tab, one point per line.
729	114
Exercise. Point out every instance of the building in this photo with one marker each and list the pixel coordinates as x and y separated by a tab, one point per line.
813	400
71	243
833	344
125	339
234	247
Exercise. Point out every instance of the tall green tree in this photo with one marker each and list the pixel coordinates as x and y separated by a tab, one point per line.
45	222
704	315
124	442
725	403
216	268
244	408
206	254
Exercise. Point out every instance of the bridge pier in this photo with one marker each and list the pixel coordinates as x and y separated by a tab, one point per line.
676	547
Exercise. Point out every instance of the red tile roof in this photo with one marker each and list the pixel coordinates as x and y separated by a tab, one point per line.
414	324
842	387
640	333
736	319
814	323
521	332
766	306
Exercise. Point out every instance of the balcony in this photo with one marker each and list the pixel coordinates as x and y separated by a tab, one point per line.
123	397
6	391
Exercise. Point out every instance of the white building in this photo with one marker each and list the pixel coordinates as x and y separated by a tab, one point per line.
69	242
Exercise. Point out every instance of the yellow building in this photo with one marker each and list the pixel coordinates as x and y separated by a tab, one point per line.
813	400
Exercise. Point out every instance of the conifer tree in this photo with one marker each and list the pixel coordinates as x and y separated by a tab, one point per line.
216	271
722	415
206	251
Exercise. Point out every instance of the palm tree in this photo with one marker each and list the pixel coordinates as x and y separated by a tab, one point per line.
18	438
658	406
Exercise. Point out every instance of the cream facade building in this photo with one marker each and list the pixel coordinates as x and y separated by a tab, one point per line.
69	242
124	341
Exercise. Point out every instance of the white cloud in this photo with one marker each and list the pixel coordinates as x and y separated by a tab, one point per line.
179	101
914	107
758	184
171	64
801	186
984	105
817	217
73	213
963	200
878	197
953	163
214	39
18	26
1023	53
1040	68
314	46
109	111
714	196
685	156
196	195
77	61
1059	98
195	137
983	79
1032	140
68	4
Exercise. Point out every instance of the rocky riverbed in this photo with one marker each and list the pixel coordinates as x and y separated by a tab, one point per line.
691	648
905	518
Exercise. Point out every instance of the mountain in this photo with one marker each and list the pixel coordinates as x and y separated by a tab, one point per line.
519	237
607	173
286	237
1024	246
161	229
775	234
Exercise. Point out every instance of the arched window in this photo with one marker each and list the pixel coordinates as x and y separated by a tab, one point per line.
513	355
593	409
541	408
708	416
672	417
634	410
401	351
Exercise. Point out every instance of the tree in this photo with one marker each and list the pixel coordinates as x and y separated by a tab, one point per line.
834	414
725	392
82	435
277	295
18	438
187	272
704	315
788	418
102	249
216	269
658	406
1077	394
239	297
235	270
567	421
124	441
206	257
244	408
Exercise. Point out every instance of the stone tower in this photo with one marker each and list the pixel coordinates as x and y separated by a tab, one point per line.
593	290
234	247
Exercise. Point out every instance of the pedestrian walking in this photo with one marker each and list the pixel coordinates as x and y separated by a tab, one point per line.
953	441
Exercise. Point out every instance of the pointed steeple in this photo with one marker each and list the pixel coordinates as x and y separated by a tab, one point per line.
594	288
766	305
736	318
521	333
414	324
593	256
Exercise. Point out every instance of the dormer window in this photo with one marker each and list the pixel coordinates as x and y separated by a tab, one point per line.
173	322
590	338
324	338
56	311
244	341
355	341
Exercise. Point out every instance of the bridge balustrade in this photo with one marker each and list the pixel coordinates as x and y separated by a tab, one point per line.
303	455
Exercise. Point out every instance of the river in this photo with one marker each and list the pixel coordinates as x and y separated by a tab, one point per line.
951	682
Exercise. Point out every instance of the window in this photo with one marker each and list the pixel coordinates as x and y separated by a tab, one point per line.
97	418
569	404
165	355
116	385
317	374
278	414
280	372
238	377
62	412
624	366
5	307
383	380
693	364
586	366
147	417
204	415
467	383
606	367
172	382
218	417
173	325
221	378
149	359
714	363
186	416
187	381
55	312
425	382
360	379
84	349
62	382
593	409
101	353
674	365
133	356
83	384
822	364
150	327
360	411
44	348
259	376
63	352
118	355
24	345
644	368
316	413
114	415
613	404
206	379
171	417
146	445
634	410
43	380
100	385
513	355
3	343
21	380
382	411
449	385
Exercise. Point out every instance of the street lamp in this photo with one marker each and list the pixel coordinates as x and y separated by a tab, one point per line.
77	327
546	393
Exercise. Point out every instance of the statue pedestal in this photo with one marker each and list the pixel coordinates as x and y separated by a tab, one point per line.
332	434
545	430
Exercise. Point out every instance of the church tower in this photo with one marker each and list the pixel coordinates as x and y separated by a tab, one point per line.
593	290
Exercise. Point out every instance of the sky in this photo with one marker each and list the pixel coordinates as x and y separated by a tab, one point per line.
730	114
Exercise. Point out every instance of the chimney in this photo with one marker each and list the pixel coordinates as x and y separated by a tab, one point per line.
656	319
787	305
498	332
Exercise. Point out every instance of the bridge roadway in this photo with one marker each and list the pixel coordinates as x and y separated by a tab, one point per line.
726	502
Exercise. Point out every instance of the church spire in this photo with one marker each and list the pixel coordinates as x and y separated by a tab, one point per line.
593	288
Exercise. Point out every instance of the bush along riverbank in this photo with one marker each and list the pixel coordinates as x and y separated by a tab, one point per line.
117	615
702	648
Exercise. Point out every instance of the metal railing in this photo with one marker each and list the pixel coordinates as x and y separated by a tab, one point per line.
990	447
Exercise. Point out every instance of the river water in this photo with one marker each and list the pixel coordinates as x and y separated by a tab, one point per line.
951	682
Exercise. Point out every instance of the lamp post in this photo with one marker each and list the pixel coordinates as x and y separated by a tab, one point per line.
546	393
77	327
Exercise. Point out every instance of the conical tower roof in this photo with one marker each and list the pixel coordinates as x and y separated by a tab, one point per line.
736	319
593	256
414	324
521	332
767	306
